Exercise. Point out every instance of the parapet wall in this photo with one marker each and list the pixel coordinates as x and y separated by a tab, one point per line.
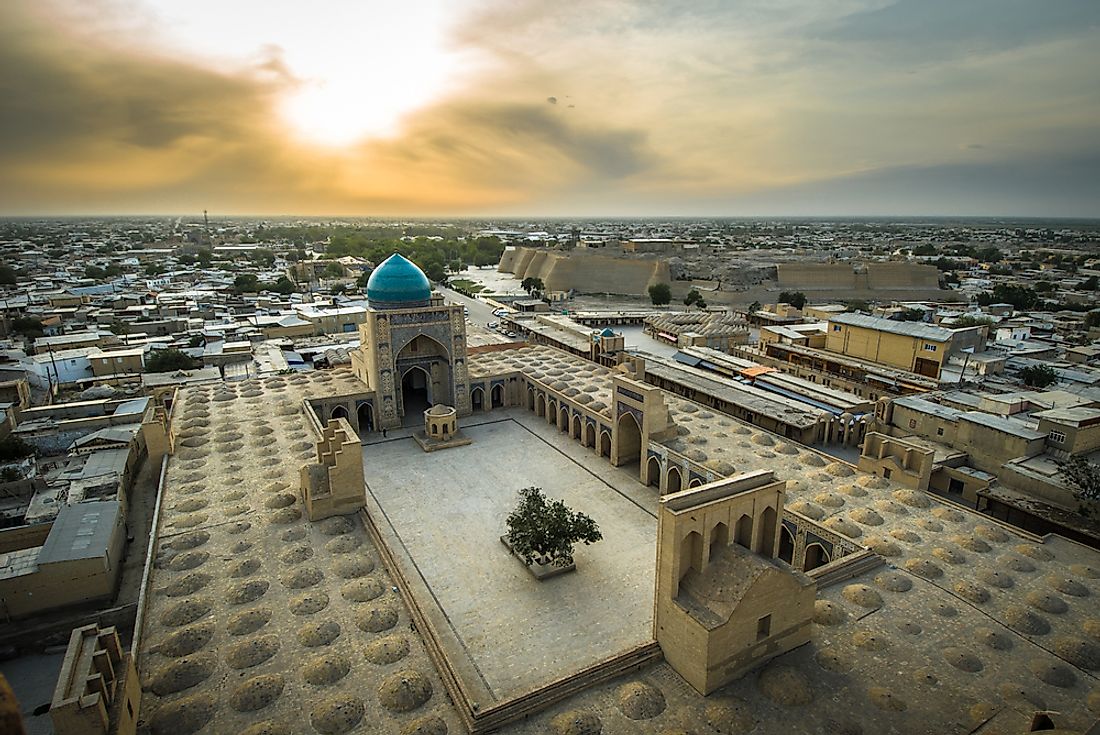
586	272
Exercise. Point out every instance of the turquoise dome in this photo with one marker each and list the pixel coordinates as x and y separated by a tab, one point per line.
398	284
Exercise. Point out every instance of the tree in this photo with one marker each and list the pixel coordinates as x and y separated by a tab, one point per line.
969	320
361	281
246	283
284	285
94	272
163	361
1082	476
205	255
28	326
693	297
754	307
858	305
797	299
1090	284
1038	376
989	254
333	270
545	531
13	448
533	286
1092	320
1021	298
660	294
912	315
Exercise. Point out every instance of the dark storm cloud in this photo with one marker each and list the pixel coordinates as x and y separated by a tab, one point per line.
63	93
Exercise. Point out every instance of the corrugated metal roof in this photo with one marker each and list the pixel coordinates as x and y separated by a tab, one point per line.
81	531
909	329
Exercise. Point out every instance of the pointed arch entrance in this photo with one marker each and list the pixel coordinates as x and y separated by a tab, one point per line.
365	414
605	444
675	481
590	435
653	472
477	399
628	439
786	545
338	412
744	531
496	396
416	394
578	427
816	556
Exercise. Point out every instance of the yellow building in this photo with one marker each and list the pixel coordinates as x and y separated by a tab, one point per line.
917	347
118	362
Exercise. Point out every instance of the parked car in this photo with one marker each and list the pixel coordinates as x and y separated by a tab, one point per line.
511	335
494	325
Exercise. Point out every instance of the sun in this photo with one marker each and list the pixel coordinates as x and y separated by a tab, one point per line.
357	103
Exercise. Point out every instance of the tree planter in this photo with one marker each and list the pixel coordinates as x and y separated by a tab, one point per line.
536	570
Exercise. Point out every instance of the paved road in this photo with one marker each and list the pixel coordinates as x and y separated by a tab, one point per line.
480	312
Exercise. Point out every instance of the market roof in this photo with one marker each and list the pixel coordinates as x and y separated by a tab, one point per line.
398	283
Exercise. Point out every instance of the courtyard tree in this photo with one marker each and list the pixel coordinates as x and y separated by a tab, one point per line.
693	297
545	531
754	307
1038	376
660	294
797	299
28	326
13	449
162	361
1083	478
7	275
246	283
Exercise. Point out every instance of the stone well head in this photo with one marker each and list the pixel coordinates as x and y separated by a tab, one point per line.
441	422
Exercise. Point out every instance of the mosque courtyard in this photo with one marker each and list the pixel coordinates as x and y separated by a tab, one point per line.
442	513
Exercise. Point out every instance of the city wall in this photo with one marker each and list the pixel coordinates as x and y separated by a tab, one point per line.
586	272
599	272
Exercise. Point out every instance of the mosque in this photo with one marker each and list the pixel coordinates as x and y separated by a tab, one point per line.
790	591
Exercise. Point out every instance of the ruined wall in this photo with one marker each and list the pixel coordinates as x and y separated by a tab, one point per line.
586	272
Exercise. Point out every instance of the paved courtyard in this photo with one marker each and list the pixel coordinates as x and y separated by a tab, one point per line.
443	514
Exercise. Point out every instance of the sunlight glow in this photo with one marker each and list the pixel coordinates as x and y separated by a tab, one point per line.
355	68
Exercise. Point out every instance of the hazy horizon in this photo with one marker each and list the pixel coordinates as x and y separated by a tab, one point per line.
512	109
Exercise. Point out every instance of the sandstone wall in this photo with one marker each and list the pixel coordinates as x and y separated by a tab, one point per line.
586	272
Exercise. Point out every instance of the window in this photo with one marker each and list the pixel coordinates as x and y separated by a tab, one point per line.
763	627
1057	437
939	431
837	327
886	473
912	423
930	348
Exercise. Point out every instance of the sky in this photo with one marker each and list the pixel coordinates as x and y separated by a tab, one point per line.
570	108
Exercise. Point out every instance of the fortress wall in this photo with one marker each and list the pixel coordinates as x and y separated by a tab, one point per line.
807	276
508	260
587	273
902	275
523	260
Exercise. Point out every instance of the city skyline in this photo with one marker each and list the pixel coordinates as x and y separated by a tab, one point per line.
852	107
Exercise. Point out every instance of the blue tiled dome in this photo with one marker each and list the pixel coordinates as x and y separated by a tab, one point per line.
397	284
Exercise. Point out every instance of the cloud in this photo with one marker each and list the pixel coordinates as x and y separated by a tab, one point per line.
689	107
